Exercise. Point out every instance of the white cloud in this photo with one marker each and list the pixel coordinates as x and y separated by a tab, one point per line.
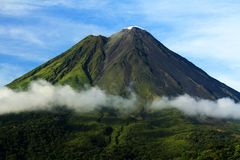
222	108
42	95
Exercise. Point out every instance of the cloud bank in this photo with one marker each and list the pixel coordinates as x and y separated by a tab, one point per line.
41	95
221	108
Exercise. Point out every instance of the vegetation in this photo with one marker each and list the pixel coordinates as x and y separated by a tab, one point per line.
106	134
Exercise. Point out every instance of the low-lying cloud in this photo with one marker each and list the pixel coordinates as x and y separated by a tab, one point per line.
42	95
221	108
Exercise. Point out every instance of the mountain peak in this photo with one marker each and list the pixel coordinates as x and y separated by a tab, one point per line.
133	27
131	57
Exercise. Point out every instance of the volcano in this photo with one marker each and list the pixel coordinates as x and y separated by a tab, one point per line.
129	60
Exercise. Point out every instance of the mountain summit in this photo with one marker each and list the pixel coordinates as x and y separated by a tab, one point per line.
131	59
131	27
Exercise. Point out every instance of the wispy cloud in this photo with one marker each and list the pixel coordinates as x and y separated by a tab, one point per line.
218	39
16	7
26	7
18	33
45	41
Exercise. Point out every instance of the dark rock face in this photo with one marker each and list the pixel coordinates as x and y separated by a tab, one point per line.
130	59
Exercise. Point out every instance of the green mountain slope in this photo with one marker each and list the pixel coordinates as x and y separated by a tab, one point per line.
71	67
130	59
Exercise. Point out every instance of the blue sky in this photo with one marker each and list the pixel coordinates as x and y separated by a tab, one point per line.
206	32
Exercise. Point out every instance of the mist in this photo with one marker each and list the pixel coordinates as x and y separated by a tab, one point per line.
41	95
221	108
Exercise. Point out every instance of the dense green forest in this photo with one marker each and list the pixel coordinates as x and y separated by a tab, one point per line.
106	134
